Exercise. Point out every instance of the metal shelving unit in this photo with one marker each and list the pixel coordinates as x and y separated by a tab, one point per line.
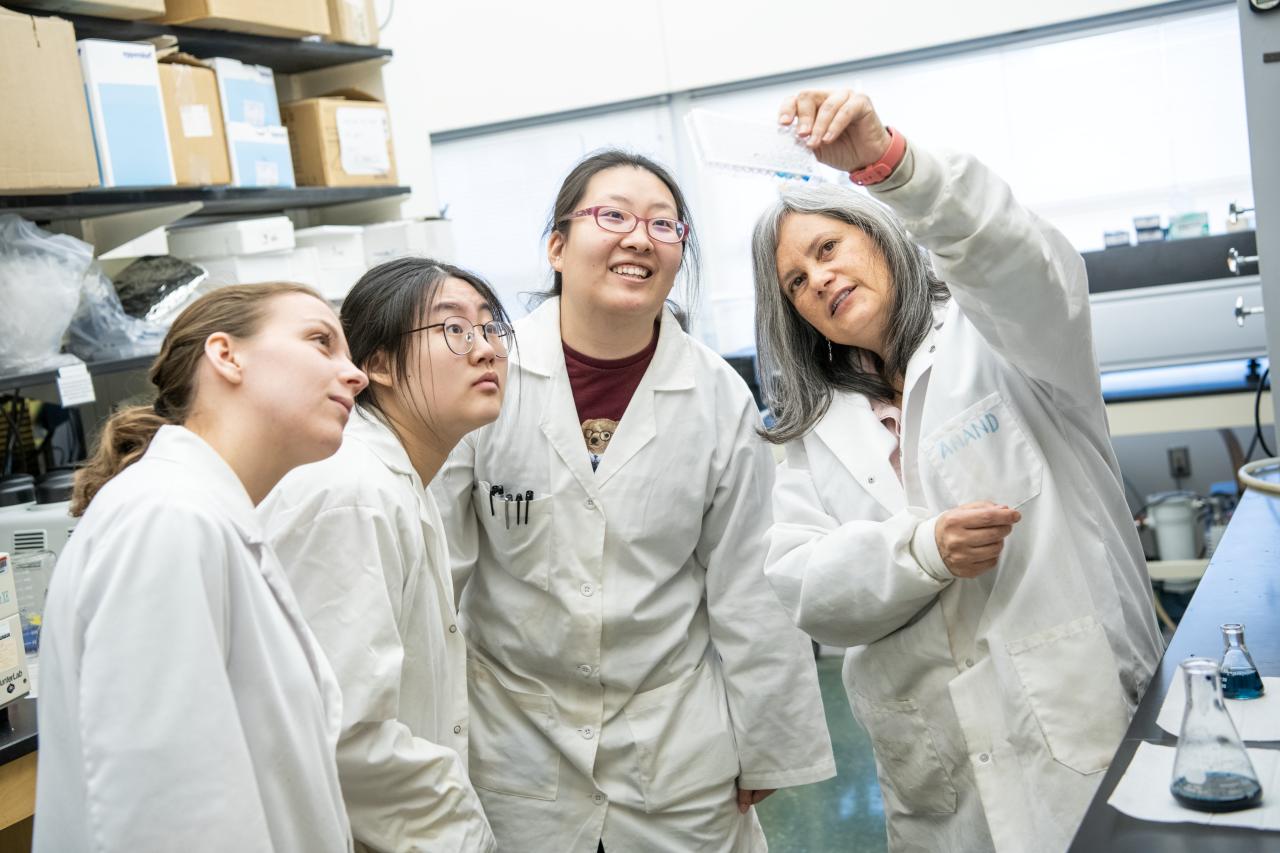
142	208
88	204
282	55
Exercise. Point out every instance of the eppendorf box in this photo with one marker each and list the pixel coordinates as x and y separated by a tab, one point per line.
14	682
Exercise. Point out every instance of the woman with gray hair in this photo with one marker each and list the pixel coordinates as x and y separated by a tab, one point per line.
950	508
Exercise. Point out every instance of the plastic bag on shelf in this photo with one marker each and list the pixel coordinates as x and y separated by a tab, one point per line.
41	275
102	331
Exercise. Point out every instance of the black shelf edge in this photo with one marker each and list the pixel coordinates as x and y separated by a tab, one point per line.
282	55
216	200
1168	262
96	368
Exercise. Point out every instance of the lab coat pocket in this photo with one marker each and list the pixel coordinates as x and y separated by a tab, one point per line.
1072	683
684	740
985	454
510	752
911	767
519	534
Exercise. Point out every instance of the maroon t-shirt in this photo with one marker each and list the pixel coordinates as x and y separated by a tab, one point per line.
601	391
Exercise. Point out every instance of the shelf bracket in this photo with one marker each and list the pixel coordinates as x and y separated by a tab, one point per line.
115	229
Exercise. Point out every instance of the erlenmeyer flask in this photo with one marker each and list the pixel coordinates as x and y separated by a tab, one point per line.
1240	679
1211	772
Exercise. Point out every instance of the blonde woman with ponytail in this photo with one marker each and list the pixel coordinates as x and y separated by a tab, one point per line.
184	703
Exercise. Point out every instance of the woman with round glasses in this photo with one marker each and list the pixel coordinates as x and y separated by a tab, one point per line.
627	655
364	547
950	508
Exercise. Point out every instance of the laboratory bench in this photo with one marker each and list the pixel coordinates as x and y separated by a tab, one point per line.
18	776
1241	584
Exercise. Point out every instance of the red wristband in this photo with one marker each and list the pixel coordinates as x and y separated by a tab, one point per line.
882	168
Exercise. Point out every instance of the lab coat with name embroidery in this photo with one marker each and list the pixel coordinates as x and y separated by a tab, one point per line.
184	704
363	545
628	659
994	704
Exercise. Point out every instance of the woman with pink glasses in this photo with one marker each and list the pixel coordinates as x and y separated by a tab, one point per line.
635	684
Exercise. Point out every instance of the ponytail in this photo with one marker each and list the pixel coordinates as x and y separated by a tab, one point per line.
237	310
125	437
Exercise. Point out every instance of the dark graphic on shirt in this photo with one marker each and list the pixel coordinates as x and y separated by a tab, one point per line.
597	432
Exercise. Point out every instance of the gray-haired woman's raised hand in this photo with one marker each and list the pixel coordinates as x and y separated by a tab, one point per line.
841	127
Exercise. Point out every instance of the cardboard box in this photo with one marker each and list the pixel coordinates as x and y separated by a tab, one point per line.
126	112
341	140
247	93
353	22
260	156
340	251
128	10
273	18
241	237
197	139
423	238
45	141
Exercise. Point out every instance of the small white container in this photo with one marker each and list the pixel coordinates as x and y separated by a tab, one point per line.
429	238
340	250
247	269
242	237
1177	533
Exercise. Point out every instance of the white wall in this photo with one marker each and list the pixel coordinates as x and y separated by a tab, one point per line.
402	79
488	61
1090	131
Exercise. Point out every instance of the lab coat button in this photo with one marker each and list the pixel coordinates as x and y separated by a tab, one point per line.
590	504
457	730
453	629
968	662
871	481
931	349
984	758
588	732
588	590
598	799
584	670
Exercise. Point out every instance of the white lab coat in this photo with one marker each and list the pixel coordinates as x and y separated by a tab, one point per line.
184	704
628	659
362	543
994	704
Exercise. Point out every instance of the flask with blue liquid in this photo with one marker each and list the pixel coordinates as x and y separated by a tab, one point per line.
1211	771
1240	679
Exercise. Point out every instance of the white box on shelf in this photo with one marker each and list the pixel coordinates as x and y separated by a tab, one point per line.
246	269
304	267
341	255
431	238
241	237
126	113
247	92
260	156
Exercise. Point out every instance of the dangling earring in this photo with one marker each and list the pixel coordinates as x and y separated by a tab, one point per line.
830	354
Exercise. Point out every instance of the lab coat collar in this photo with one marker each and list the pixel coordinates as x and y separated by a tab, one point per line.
181	446
922	360
371	430
855	436
541	352
539	348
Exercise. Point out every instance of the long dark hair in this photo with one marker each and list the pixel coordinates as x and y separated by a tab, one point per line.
392	298
570	196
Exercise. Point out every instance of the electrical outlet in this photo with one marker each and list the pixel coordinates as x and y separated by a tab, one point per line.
1179	463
